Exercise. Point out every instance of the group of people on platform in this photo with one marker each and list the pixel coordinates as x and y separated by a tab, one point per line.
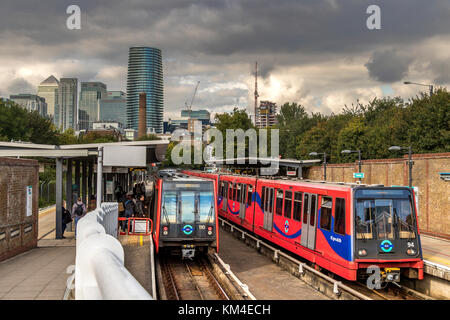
79	210
131	204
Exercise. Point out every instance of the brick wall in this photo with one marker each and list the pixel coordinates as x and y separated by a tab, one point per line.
18	232
434	193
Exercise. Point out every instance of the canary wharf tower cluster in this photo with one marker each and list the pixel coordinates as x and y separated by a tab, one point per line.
145	75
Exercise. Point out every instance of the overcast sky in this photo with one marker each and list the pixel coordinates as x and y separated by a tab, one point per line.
315	52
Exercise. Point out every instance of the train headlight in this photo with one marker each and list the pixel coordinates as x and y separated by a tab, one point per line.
411	251
165	230
362	252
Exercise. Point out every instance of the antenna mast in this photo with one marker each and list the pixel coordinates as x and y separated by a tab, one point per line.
256	89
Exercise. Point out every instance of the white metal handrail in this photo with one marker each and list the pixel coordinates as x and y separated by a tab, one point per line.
100	273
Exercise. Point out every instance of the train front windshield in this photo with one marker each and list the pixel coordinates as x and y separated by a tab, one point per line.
384	219
189	204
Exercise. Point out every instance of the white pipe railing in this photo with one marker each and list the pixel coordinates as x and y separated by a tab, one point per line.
100	273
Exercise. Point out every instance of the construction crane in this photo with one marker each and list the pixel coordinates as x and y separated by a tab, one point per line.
189	107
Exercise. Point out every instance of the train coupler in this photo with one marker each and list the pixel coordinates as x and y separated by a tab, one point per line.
391	274
187	251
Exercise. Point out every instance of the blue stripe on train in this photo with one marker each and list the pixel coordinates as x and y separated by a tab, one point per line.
290	236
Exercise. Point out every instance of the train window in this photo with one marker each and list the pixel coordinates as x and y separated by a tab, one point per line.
225	189
187	206
249	195
230	191
169	208
405	218
305	209
243	193
298	206
287	204
339	216
279	202
312	216
206	207
325	213
271	200
263	198
238	192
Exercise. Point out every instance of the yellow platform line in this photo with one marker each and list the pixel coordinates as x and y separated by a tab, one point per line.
443	261
141	241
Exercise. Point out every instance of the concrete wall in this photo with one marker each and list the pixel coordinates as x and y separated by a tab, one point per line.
18	232
434	193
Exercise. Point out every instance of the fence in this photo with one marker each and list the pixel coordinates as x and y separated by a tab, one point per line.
100	273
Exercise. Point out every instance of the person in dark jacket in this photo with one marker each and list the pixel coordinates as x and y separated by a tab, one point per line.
66	218
140	207
130	209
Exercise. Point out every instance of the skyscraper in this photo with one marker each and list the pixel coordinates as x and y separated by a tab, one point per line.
90	95
66	108
31	102
145	74
48	89
113	107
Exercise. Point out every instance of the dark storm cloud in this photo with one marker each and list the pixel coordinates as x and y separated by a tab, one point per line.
219	40
388	66
20	85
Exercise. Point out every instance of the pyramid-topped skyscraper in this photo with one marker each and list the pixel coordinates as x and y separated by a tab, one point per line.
48	89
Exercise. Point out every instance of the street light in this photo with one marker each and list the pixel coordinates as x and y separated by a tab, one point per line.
410	163
430	86
359	157
315	154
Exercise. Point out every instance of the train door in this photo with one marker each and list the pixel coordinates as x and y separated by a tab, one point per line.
268	209
242	201
309	222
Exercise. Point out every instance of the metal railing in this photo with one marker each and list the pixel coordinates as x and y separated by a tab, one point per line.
100	273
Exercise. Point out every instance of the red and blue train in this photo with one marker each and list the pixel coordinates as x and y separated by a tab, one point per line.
343	228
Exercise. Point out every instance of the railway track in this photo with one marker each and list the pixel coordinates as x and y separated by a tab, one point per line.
190	280
327	284
391	292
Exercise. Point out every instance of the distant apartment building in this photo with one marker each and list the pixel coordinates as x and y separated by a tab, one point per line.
48	89
90	96
266	114
202	115
145	74
66	107
31	102
114	107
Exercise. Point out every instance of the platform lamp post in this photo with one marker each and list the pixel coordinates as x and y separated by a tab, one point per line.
315	154
410	163
430	86
359	157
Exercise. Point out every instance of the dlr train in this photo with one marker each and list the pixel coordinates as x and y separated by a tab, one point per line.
185	214
343	228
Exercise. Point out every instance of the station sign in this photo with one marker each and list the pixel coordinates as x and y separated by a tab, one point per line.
291	173
358	175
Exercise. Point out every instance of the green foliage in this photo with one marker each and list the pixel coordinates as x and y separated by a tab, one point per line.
16	123
423	123
148	137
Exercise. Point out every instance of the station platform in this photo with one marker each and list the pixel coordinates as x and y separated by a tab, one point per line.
436	250
39	274
266	280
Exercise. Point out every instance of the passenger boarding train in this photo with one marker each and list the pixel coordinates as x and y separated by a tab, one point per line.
185	213
343	228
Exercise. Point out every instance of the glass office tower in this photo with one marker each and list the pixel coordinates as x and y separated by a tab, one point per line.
90	96
145	74
66	106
